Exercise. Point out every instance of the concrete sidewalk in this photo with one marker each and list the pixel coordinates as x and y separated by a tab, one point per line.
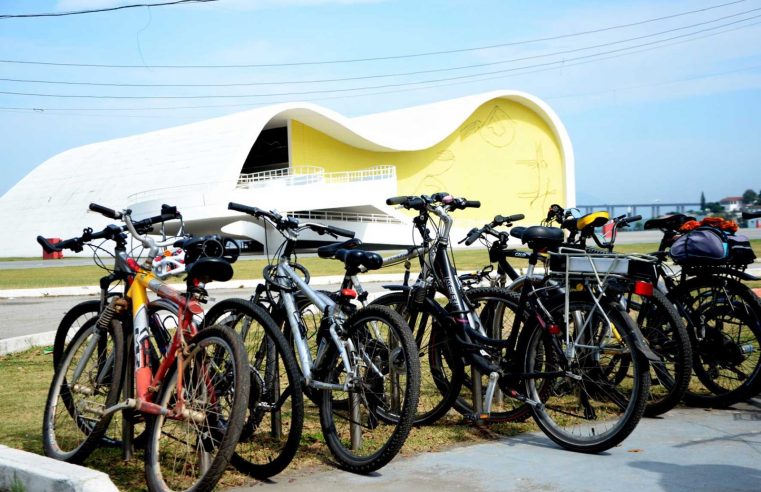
688	449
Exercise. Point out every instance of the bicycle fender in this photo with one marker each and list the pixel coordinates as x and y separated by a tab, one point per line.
403	288
642	347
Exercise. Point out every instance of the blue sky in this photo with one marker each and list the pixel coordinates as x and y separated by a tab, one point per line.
660	117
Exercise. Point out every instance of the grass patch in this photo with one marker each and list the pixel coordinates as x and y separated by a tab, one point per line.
466	260
27	376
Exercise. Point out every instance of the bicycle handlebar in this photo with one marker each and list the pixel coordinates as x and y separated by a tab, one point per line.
475	233
76	244
108	212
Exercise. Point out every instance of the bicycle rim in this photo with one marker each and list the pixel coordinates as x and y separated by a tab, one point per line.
596	403
193	451
366	426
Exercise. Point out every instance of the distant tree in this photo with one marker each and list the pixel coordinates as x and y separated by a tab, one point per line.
750	197
714	207
758	199
702	201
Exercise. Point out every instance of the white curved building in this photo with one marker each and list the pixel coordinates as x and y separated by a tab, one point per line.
506	148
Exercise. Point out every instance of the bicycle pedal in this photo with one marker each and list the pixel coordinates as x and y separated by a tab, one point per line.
477	419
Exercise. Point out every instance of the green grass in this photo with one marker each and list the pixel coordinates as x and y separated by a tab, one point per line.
27	375
466	260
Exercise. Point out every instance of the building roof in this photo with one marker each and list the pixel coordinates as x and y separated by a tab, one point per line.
731	199
52	199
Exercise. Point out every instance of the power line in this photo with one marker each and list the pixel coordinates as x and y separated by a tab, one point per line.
383	86
425	85
93	11
381	58
388	75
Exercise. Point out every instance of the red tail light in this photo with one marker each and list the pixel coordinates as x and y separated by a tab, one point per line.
349	293
644	289
554	329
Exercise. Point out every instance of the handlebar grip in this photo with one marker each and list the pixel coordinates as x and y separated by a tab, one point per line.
340	232
47	246
397	200
633	218
472	236
110	213
516	217
244	208
471	204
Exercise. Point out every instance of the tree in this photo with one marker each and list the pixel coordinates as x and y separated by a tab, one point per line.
702	201
714	207
749	197
758	199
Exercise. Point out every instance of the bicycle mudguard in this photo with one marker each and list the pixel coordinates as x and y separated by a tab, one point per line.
642	347
396	288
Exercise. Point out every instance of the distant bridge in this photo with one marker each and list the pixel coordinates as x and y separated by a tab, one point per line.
631	208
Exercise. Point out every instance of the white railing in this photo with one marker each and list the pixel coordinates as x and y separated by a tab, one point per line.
311	174
345	216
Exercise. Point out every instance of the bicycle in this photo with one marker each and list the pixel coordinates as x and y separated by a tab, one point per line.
723	319
657	318
197	395
365	366
551	361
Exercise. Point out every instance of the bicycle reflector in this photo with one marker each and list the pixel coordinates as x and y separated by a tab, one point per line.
349	293
642	288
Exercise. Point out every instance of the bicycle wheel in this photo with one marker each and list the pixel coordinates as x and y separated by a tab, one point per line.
587	409
441	373
496	308
87	381
724	323
366	425
212	396
667	336
275	418
72	321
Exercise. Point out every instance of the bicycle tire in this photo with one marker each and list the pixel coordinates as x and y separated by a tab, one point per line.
213	347
388	417
607	412
727	360
666	335
103	370
441	372
259	453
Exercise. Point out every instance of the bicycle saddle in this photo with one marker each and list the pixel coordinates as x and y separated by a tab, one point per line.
670	222
539	237
595	219
208	269
518	231
356	258
329	250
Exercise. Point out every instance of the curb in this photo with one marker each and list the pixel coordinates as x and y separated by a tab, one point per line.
25	342
93	290
39	473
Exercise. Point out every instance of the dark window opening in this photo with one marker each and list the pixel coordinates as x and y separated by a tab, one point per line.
270	151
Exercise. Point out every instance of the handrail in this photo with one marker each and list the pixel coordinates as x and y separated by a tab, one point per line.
321	215
311	174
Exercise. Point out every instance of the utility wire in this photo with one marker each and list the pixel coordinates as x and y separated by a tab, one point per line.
388	75
94	11
380	58
563	65
382	86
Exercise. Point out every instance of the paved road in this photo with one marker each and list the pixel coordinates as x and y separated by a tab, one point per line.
687	450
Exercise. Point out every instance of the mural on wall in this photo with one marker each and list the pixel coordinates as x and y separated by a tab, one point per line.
497	129
434	179
540	189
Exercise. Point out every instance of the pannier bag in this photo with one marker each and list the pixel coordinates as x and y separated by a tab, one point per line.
710	246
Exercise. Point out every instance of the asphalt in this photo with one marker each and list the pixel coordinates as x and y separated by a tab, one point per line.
686	450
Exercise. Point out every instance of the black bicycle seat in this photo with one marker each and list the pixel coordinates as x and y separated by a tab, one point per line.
539	237
518	231
356	258
208	269
670	222
329	250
